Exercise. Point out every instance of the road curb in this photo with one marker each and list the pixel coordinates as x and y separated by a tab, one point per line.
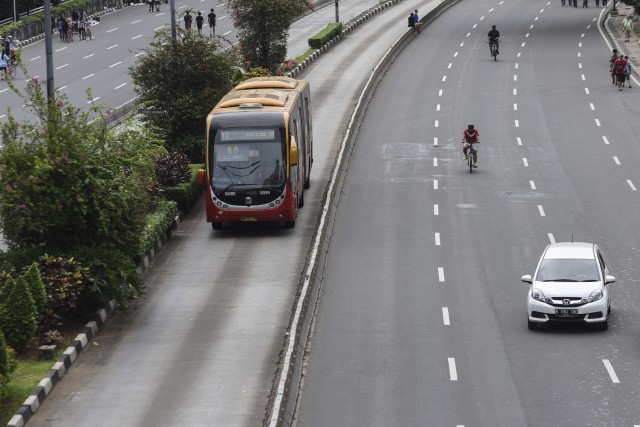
81	341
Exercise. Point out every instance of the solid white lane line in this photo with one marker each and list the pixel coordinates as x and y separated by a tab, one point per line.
593	107
436	211
604	138
117	63
435	184
610	370
111	47
517	123
586	90
519	140
435	161
526	163
88	56
62	66
440	274
541	210
90	75
532	184
118	87
615	159
136	37
435	140
113	29
437	237
597	122
633	187
453	373
445	316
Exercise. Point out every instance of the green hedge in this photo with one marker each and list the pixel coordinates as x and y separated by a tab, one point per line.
160	222
185	194
325	35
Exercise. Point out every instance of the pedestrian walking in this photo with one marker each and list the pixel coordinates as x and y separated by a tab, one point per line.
620	68
627	26
199	22
562	2
187	21
151	5
585	3
575	3
412	22
627	74
604	3
612	59
212	23
597	3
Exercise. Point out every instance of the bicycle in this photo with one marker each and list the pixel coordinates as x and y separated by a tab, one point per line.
470	160
86	34
11	69
493	47
69	35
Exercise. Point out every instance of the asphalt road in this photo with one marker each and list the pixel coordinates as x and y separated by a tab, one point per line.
101	64
422	318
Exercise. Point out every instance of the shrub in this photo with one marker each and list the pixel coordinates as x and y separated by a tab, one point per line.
160	221
18	315
6	287
34	282
52	337
193	145
68	182
186	193
68	285
114	276
4	359
331	31
172	168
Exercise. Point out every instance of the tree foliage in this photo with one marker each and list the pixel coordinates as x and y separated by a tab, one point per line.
262	28
185	82
34	282
65	182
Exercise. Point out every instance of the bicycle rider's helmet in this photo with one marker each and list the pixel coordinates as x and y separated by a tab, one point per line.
470	127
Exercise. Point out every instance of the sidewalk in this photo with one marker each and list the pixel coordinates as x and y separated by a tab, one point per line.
613	28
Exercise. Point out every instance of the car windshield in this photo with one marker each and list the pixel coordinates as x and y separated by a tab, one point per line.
568	270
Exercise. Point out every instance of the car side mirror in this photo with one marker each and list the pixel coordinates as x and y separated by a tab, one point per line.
526	278
609	279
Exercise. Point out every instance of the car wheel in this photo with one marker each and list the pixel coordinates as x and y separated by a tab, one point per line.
604	325
532	325
609	310
216	225
290	224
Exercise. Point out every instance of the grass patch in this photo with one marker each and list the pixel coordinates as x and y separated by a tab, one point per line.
305	55
24	379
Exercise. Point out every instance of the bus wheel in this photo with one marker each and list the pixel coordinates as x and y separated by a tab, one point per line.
290	224
216	225
307	184
301	200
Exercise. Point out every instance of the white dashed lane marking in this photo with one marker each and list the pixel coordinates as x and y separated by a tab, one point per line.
436	211
525	161
532	184
453	372
440	274
437	239
445	316
606	141
541	210
612	373
633	187
615	159
551	238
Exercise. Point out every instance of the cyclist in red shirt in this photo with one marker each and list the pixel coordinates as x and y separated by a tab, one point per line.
471	139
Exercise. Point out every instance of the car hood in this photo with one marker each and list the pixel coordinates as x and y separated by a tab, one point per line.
567	289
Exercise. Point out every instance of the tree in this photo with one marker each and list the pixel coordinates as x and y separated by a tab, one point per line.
66	183
34	282
184	82
18	316
262	28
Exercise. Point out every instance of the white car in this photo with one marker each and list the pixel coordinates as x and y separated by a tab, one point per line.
571	283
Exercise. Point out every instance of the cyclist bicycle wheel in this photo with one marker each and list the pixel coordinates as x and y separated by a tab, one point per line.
470	160
11	70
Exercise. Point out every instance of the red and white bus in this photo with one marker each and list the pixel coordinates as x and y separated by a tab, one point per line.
259	152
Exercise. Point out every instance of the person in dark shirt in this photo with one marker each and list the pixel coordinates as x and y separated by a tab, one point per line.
187	21
494	36
199	22
212	23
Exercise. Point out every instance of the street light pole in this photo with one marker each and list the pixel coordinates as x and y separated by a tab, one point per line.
337	14
15	17
48	44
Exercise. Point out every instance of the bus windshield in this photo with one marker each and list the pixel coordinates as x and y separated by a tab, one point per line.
247	157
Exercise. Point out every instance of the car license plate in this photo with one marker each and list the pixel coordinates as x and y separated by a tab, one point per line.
566	312
248	219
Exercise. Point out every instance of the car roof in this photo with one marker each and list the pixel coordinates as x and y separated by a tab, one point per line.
570	250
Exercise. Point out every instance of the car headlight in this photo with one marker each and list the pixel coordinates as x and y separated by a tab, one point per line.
537	295
595	295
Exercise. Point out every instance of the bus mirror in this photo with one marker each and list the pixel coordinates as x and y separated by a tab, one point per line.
201	176
293	152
